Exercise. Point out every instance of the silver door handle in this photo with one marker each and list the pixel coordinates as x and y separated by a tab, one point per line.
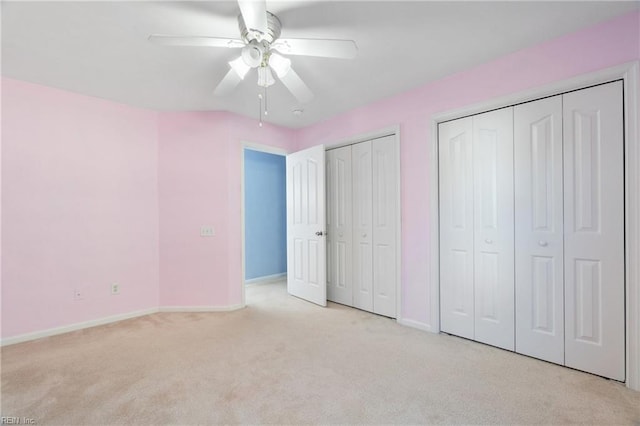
319	233
542	243
364	235
488	241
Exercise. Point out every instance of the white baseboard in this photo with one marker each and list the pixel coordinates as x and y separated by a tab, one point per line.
200	308
267	279
416	324
74	327
114	318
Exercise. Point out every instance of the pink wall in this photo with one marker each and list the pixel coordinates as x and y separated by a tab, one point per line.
79	208
602	46
95	192
200	184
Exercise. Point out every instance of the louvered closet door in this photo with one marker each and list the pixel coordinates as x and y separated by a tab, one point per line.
362	226
594	230
456	227
339	226
539	229
493	228
385	208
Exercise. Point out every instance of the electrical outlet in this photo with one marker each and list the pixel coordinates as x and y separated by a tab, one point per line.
207	231
115	289
78	294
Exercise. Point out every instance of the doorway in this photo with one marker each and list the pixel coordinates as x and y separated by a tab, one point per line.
264	215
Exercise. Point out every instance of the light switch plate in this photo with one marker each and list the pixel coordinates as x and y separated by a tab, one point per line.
207	231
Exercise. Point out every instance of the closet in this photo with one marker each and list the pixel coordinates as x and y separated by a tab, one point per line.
362	215
532	229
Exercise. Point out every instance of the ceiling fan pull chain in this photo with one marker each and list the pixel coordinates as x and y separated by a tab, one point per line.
260	108
266	110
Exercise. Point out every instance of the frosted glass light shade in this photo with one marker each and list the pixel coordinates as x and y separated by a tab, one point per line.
252	54
265	78
240	67
280	64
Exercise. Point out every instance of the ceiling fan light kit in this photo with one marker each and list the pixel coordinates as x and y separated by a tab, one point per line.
259	40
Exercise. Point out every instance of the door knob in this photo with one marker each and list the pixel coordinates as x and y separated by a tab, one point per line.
488	241
364	235
542	243
319	233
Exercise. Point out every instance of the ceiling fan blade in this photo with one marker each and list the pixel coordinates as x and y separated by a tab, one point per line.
344	49
169	40
228	83
296	86
254	14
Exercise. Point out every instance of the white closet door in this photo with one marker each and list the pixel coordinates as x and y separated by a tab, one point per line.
385	209
362	226
339	226
538	229
456	227
594	230
493	228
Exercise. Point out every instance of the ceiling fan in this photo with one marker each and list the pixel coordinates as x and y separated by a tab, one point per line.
262	48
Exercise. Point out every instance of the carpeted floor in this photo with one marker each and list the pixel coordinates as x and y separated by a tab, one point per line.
286	361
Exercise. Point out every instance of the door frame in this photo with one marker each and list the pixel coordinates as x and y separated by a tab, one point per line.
394	131
260	148
629	73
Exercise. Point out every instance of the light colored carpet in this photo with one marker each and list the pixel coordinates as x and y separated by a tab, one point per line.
283	360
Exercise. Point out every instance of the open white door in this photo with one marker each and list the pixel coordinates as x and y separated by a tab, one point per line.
306	244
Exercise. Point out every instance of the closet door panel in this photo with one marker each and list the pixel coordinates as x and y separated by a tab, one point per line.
456	227
539	269
493	228
594	230
339	221
362	226
385	195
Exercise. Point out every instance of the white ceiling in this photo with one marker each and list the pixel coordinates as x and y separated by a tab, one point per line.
101	49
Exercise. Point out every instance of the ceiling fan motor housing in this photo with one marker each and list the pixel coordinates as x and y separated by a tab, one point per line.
273	30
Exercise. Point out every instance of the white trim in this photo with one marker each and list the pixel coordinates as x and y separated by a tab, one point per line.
629	74
201	308
414	324
264	148
398	225
555	88
377	134
266	279
632	225
254	147
434	230
74	327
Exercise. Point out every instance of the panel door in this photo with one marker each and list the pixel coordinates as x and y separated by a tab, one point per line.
594	230
456	227
339	226
362	226
385	210
493	228
539	254
306	221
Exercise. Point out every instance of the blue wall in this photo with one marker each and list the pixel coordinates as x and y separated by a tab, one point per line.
265	214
